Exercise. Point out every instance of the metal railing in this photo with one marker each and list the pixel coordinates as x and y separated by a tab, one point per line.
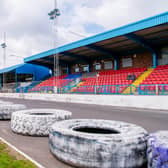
153	89
72	87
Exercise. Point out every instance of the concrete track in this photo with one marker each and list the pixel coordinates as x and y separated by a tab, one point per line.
37	147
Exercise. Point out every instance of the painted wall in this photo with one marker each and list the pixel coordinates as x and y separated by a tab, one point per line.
150	102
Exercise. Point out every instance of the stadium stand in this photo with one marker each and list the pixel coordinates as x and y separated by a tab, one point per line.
60	82
156	80
109	81
47	85
102	64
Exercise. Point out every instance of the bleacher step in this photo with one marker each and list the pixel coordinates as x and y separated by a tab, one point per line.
138	81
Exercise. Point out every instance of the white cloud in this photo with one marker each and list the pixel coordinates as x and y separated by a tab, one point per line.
28	27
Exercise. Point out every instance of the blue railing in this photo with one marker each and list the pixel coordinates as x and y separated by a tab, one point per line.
152	89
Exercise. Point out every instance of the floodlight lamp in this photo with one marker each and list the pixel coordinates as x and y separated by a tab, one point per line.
3	45
57	12
52	18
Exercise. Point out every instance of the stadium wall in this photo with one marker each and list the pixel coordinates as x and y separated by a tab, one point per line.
148	102
138	60
144	59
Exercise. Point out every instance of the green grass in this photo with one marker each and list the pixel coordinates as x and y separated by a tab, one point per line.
8	161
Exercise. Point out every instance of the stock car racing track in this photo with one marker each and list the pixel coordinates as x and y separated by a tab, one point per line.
37	147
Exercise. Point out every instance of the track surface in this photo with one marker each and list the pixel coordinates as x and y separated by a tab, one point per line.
37	147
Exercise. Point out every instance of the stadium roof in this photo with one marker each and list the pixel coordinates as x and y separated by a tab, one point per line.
37	71
10	69
146	35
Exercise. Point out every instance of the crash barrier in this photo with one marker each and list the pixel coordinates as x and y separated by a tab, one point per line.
6	110
158	150
98	143
37	122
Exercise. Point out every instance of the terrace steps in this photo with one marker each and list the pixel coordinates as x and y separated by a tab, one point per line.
138	81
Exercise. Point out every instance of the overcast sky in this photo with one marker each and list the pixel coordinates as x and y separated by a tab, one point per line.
29	30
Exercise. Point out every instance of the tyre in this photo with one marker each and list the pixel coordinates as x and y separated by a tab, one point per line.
37	122
99	143
6	110
157	152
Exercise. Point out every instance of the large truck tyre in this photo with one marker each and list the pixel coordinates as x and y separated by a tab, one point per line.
157	152
6	110
99	143
37	122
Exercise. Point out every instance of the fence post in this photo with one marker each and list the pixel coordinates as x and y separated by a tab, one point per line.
117	89
157	90
139	89
130	89
146	90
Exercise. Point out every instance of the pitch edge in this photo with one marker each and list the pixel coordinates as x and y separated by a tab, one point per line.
22	153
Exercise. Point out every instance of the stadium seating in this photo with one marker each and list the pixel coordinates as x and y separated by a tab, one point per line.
48	84
59	82
108	81
158	78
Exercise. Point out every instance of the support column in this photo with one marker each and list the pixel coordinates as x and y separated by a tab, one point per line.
154	60
15	80
0	82
88	68
115	64
68	69
34	77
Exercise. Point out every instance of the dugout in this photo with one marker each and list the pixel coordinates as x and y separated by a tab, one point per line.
22	75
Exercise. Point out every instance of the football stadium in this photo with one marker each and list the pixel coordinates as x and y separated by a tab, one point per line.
100	102
128	60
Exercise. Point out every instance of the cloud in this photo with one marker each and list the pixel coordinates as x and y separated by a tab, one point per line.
29	30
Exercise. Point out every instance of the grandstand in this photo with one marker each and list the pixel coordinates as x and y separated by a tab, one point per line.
157	81
108	81
128	60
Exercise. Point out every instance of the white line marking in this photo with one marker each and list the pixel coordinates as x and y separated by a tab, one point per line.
22	153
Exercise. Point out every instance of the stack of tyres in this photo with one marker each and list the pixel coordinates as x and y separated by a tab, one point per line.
157	151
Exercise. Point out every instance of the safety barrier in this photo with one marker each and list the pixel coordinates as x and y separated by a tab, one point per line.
73	88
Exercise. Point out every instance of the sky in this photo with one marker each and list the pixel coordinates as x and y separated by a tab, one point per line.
29	30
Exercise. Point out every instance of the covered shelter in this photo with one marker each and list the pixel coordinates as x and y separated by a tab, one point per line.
147	36
23	73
